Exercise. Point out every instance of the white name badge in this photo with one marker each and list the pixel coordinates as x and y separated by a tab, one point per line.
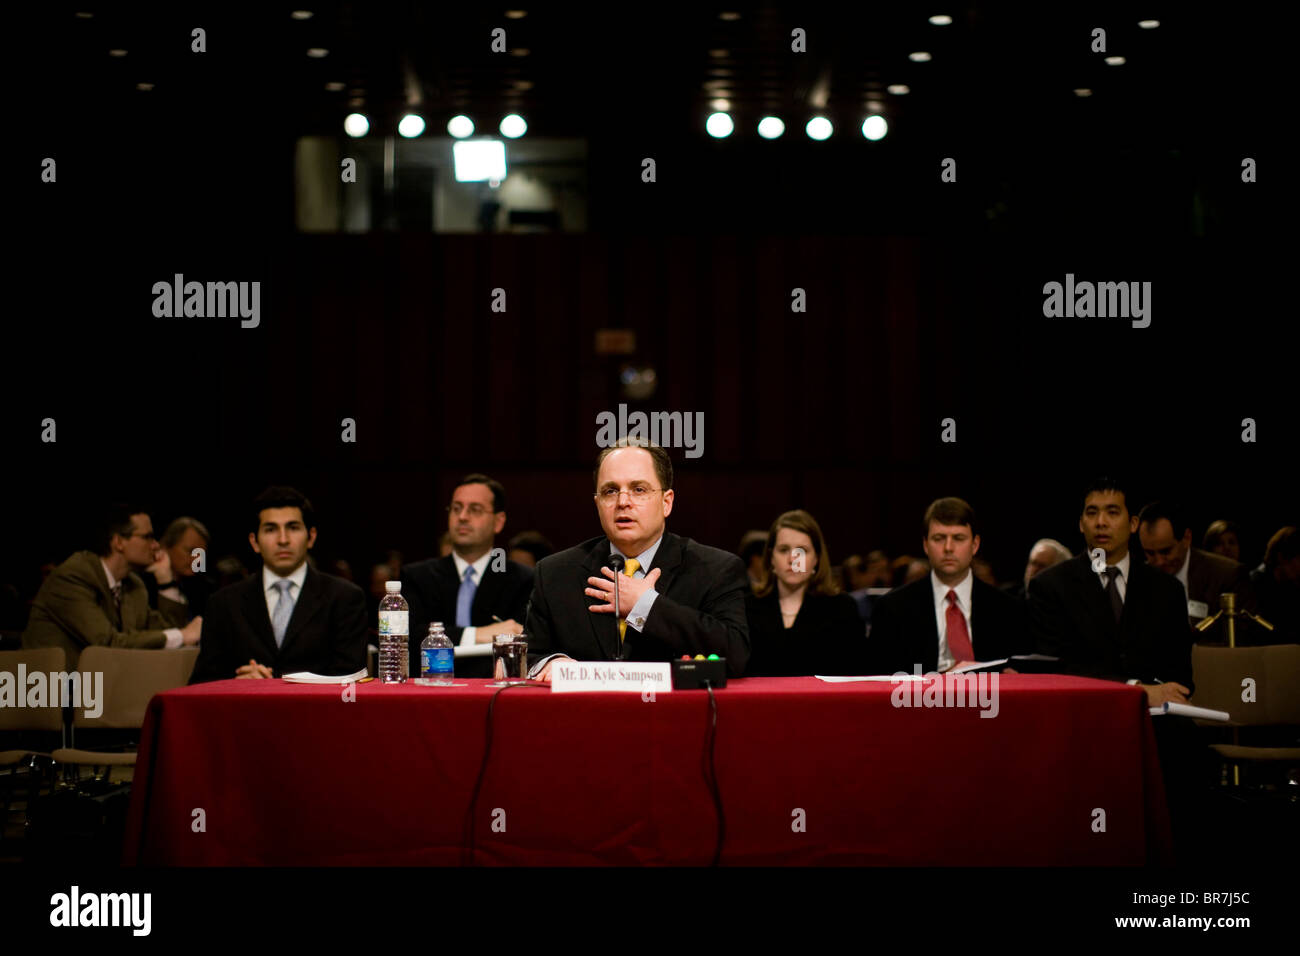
638	678
1197	609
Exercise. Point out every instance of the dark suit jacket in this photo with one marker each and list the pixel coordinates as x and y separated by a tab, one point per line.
326	634
904	631
1210	575
700	608
74	608
1070	618
827	636
430	588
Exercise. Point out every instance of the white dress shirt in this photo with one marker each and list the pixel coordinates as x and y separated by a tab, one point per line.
269	578
171	634
468	634
941	590
1121	582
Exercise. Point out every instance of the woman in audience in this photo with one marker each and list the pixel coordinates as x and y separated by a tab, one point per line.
800	623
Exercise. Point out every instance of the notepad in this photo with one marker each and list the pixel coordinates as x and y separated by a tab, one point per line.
1187	710
307	677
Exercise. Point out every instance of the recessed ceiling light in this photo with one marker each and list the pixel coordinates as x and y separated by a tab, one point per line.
919	57
770	127
523	85
84	15
1144	24
317	52
460	126
301	14
819	127
1083	91
355	125
720	104
520	51
1115	61
356	101
941	19
719	54
144	87
899	89
335	87
728	15
516	14
117	53
719	125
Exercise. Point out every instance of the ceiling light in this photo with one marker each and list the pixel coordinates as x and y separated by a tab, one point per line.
335	87
317	52
719	125
1115	61
899	89
117	53
919	57
819	127
720	104
1144	24
513	126
874	127
356	125
301	14
460	126
770	127
411	125
1083	91
941	19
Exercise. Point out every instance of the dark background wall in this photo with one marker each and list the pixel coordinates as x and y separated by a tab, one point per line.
924	302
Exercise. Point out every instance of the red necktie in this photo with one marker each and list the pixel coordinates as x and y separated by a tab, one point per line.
958	636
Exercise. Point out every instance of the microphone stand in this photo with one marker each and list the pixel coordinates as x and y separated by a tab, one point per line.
617	563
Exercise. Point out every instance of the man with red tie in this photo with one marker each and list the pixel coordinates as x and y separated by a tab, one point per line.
949	617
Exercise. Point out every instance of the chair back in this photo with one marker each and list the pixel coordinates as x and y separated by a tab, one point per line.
16	669
125	680
1269	673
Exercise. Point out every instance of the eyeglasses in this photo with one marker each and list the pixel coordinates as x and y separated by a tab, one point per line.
475	510
639	495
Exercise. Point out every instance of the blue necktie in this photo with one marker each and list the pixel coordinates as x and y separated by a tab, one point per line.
283	611
465	597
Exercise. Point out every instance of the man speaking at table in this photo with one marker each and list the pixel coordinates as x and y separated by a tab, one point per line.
675	596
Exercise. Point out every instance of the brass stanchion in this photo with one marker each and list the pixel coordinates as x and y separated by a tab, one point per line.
1230	612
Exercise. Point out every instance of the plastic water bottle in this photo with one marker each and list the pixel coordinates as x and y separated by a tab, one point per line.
394	632
437	659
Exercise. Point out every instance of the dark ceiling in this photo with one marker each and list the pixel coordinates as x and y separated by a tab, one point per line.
1172	123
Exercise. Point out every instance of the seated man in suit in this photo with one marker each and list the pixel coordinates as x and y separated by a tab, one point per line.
949	617
183	537
1117	618
1045	553
1166	537
675	596
288	617
472	593
97	597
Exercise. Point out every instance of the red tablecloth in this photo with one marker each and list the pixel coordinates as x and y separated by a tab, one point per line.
296	775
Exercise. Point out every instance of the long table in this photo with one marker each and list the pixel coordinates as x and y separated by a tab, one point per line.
253	772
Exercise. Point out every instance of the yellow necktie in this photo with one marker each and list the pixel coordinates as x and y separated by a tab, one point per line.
629	569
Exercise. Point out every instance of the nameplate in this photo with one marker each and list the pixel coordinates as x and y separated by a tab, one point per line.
630	676
1198	609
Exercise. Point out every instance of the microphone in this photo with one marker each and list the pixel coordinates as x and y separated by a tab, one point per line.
617	563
